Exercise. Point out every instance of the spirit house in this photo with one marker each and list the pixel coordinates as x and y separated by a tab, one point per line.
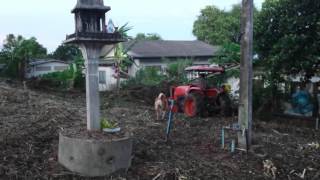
90	23
91	36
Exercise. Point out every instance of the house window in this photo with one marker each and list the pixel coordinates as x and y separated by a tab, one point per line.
102	77
43	68
60	68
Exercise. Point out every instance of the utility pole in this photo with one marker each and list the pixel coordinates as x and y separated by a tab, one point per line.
245	104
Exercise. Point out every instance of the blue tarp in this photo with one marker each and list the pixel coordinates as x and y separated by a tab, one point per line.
301	102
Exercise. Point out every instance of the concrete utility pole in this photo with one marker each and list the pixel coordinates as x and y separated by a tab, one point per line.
245	108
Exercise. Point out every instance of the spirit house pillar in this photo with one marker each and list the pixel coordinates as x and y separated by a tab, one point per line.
91	35
91	54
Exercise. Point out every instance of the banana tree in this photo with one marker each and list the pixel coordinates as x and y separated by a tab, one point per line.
120	58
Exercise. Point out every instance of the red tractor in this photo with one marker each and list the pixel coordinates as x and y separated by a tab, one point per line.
199	98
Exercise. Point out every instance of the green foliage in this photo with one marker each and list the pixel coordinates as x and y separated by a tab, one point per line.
62	79
288	39
149	36
149	76
17	52
261	95
70	78
176	70
105	123
218	27
79	77
229	53
66	53
121	57
124	29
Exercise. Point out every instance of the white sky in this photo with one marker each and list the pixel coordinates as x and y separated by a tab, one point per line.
50	20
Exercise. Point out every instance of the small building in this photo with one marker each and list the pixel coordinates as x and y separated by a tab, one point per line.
158	53
40	67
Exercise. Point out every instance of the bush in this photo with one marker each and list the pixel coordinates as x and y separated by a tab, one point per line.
62	79
147	77
70	78
176	71
151	76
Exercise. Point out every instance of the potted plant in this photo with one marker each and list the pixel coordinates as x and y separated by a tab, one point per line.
109	126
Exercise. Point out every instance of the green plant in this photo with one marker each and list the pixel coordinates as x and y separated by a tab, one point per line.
69	78
176	70
288	39
17	52
105	123
149	76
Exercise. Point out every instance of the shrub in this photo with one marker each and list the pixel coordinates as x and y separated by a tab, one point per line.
147	77
70	78
62	78
176	70
151	76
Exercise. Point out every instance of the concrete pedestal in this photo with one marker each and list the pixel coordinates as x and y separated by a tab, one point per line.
94	157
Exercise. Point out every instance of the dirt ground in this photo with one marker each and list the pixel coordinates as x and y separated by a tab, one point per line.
30	121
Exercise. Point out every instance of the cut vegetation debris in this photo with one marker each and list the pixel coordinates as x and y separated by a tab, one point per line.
30	122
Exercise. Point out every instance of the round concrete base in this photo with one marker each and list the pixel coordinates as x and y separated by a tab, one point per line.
94	157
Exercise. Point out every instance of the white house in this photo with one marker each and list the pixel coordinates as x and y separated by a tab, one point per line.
40	67
158	53
106	71
107	80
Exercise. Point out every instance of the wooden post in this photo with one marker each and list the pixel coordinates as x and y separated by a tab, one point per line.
245	105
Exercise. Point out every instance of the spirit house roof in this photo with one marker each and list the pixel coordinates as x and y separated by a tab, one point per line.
90	24
89	5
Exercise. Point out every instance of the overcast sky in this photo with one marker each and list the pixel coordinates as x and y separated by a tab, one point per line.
50	20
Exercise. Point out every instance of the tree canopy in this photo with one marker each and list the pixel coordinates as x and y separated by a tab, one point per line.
287	37
66	53
218	27
16	53
149	36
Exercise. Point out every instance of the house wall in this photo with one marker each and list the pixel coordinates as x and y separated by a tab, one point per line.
142	63
110	81
133	69
41	69
108	50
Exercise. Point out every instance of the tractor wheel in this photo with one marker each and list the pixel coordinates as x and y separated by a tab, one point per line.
224	103
193	105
